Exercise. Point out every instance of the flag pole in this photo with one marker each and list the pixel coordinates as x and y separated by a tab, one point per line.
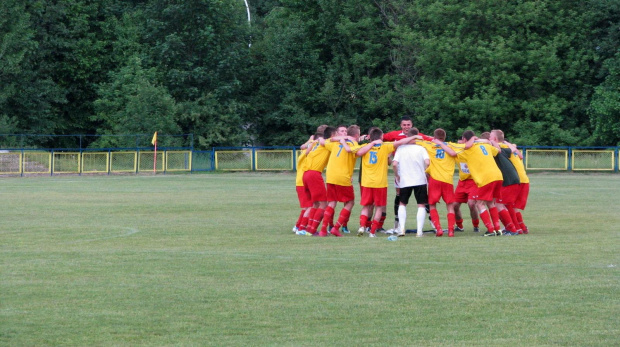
154	142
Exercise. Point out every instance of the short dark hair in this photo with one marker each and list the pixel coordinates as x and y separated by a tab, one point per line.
468	134
375	134
440	134
329	132
405	118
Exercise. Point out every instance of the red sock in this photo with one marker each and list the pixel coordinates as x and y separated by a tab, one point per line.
486	220
327	217
459	223
374	226
475	222
363	220
520	221
382	220
504	215
306	221
316	220
343	218
451	221
301	217
435	219
495	217
513	217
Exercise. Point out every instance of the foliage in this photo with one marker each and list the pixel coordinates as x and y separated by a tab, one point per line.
543	71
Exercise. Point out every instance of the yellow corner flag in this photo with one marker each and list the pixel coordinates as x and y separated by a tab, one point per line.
154	140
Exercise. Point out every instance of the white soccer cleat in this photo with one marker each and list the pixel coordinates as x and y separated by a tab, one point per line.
361	231
390	231
372	235
295	230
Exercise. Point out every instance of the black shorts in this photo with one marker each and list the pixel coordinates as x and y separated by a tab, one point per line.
420	193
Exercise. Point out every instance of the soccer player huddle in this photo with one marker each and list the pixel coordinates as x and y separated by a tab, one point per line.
492	180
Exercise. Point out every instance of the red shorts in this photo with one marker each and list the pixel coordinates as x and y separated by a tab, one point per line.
488	192
524	192
304	202
509	194
438	189
465	190
374	196
314	186
340	193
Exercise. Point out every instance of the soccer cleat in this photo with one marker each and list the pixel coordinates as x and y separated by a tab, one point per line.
372	235
300	232
381	230
391	231
439	233
526	231
489	233
336	233
323	233
361	231
345	230
401	234
520	232
419	234
476	229
456	228
498	232
509	233
450	233
295	229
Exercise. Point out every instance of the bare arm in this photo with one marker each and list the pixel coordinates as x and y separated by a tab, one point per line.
470	142
345	145
514	149
445	147
307	143
367	147
406	140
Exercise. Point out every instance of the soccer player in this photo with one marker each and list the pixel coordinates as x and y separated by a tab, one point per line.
406	123
524	189
374	181
465	189
441	178
488	178
314	185
510	186
410	163
339	176
304	203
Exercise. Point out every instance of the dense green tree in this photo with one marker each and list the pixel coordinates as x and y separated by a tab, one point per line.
134	102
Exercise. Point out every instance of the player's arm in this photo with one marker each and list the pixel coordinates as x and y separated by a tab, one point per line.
367	147
445	147
395	168
345	145
514	149
307	143
426	137
471	142
427	163
406	140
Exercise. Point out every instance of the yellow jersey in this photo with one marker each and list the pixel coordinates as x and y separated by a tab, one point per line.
341	163
482	166
317	157
301	168
442	164
375	165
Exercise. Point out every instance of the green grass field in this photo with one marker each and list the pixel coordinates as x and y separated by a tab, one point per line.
210	259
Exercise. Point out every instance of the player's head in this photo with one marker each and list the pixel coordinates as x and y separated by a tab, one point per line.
341	130
405	123
375	134
413	132
353	131
497	135
320	130
329	132
468	134
485	135
440	134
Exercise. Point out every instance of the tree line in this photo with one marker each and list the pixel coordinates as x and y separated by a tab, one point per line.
546	72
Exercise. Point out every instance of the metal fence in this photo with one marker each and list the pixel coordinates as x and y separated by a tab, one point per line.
145	160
